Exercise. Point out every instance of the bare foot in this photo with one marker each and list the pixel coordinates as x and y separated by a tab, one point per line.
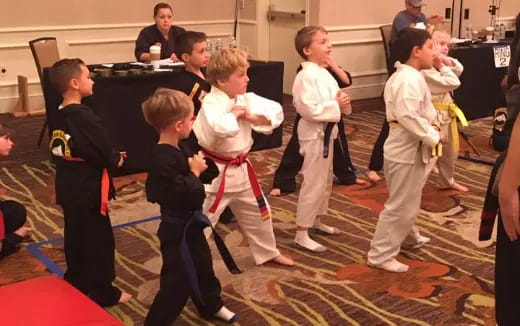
373	176
283	260
23	231
125	297
275	192
459	187
360	181
435	170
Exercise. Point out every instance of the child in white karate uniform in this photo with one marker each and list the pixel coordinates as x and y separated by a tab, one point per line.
442	79
320	102
223	128
408	149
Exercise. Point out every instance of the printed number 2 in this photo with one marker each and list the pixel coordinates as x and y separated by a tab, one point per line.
503	61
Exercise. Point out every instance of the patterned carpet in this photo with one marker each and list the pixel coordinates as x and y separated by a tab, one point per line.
450	281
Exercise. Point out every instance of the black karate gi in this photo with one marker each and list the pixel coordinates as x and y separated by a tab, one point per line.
291	162
179	192
151	35
13	216
82	153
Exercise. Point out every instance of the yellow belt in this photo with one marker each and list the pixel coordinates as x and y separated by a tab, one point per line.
436	150
454	112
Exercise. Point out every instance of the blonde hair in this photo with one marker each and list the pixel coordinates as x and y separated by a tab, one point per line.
165	107
440	29
303	38
223	63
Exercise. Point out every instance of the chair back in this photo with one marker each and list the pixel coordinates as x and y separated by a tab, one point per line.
45	53
385	35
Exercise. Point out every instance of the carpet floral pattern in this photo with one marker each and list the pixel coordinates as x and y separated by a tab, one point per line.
450	281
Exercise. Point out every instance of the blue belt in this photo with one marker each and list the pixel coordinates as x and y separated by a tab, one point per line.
188	219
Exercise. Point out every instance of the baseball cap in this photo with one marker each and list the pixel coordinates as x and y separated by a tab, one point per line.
415	3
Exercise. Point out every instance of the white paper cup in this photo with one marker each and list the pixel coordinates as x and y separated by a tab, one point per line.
155	56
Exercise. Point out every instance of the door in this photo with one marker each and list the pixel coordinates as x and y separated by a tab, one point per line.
286	17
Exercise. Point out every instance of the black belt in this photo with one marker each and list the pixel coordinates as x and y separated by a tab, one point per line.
326	140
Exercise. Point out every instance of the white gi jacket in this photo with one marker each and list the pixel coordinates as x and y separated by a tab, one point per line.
441	83
219	131
408	102
314	97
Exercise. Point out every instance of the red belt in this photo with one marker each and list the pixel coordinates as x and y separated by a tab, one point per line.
253	180
105	184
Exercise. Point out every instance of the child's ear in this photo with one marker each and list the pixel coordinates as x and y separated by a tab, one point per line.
306	51
184	57
177	125
74	83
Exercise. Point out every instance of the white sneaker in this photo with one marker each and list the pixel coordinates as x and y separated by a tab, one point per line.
392	265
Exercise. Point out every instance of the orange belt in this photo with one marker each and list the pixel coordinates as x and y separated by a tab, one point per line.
253	180
105	184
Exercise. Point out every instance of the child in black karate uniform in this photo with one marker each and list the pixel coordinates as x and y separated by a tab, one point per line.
12	213
291	162
82	153
175	183
191	48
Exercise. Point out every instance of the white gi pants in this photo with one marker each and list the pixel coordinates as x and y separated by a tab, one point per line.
313	199
260	235
396	222
446	162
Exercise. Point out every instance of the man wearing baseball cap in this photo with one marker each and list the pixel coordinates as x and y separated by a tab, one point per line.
412	15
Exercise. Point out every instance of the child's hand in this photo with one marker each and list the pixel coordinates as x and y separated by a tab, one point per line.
239	112
437	62
343	100
122	158
447	61
330	62
197	164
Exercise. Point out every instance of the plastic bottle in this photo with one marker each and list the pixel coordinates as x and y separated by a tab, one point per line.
232	42
218	45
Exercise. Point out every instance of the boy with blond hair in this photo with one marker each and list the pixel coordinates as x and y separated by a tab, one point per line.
320	102
175	183
442	79
223	128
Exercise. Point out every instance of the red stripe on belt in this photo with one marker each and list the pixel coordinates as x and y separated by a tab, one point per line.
105	192
253	180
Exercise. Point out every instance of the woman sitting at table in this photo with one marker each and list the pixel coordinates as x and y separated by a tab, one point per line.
162	33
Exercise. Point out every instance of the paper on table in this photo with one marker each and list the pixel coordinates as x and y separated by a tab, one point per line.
169	62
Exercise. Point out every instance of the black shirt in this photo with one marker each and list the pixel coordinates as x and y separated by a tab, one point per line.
81	149
172	185
151	35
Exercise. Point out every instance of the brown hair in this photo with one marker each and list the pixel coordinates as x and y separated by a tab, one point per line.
5	131
63	71
303	38
165	107
223	63
184	43
159	6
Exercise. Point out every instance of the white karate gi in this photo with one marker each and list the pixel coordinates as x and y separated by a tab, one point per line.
314	97
219	131
441	83
407	151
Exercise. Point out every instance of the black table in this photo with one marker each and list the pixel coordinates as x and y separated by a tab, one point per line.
480	92
117	100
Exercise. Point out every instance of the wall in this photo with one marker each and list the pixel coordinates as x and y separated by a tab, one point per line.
95	30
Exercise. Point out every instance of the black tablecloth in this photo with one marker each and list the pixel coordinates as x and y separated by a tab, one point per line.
480	92
117	100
